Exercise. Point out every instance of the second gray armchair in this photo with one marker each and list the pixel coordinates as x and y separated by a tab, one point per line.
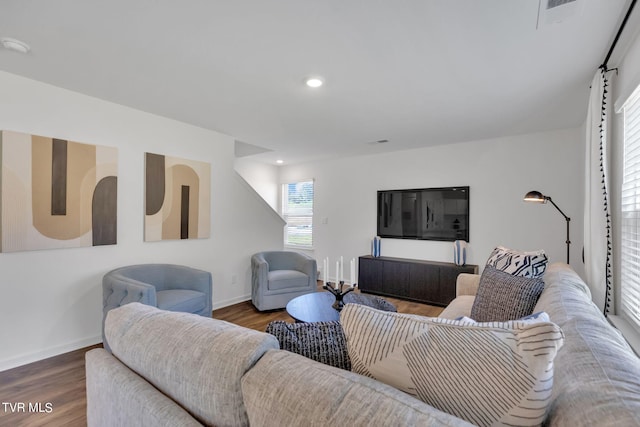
166	286
279	276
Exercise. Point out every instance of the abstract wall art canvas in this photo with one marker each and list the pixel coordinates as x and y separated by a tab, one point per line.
56	193
177	198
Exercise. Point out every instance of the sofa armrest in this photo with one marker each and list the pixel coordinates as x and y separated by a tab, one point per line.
467	284
311	270
259	272
119	290
116	395
308	266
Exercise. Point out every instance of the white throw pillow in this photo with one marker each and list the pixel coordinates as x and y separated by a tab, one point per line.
490	374
518	263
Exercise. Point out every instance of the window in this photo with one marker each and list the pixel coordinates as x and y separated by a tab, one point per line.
297	210
630	215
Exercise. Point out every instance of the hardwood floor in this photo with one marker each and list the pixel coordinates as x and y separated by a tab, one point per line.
55	387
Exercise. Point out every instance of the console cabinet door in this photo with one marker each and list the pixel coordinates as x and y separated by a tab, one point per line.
370	275
425	283
395	278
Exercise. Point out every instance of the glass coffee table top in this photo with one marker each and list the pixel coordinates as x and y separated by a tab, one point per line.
317	306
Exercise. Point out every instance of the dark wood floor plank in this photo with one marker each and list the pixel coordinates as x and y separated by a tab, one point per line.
60	380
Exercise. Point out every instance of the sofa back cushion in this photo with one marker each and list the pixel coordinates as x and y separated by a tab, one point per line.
286	389
196	361
497	373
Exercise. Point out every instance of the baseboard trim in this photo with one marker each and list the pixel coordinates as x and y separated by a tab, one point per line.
25	359
37	356
231	301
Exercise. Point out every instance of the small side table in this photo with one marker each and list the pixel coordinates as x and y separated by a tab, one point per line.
316	306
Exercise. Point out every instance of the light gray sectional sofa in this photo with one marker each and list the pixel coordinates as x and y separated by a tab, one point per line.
170	369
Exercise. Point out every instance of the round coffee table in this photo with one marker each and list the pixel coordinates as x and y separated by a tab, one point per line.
316	306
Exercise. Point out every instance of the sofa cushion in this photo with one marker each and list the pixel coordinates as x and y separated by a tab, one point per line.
285	279
497	373
518	263
323	342
286	389
460	306
503	297
184	300
196	361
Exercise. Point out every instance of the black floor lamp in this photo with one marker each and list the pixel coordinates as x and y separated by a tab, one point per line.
538	197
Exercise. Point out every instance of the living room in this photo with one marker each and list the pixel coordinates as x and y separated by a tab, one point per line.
52	299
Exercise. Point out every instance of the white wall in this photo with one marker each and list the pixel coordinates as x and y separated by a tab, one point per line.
262	177
51	301
499	171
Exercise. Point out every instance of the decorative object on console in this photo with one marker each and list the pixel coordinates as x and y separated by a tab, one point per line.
375	246
460	252
538	197
518	263
503	297
177	198
57	193
484	373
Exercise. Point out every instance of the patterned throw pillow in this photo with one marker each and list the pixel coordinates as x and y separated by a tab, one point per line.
489	374
540	316
517	263
323	342
503	297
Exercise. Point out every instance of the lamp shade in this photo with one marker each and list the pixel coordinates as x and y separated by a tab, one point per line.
535	196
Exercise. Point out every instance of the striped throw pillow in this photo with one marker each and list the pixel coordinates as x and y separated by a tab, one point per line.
490	374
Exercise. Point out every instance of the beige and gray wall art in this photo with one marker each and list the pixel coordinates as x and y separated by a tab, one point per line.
177	198
56	193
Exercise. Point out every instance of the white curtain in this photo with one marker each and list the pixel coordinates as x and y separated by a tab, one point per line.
597	220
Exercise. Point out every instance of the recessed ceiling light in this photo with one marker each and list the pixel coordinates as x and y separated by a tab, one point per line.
15	45
314	82
279	161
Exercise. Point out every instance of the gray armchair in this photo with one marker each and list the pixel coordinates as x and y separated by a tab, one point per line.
166	286
279	276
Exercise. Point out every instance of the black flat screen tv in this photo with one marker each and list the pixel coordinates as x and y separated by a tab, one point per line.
424	214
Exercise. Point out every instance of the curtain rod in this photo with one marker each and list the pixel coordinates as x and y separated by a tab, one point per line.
615	40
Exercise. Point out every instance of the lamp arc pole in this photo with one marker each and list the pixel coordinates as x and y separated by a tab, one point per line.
538	197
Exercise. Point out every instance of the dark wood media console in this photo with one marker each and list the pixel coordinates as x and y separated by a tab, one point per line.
430	282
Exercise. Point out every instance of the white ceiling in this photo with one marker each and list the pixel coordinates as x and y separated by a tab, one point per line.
414	72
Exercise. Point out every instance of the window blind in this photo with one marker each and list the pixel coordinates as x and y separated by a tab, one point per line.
297	210
630	215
